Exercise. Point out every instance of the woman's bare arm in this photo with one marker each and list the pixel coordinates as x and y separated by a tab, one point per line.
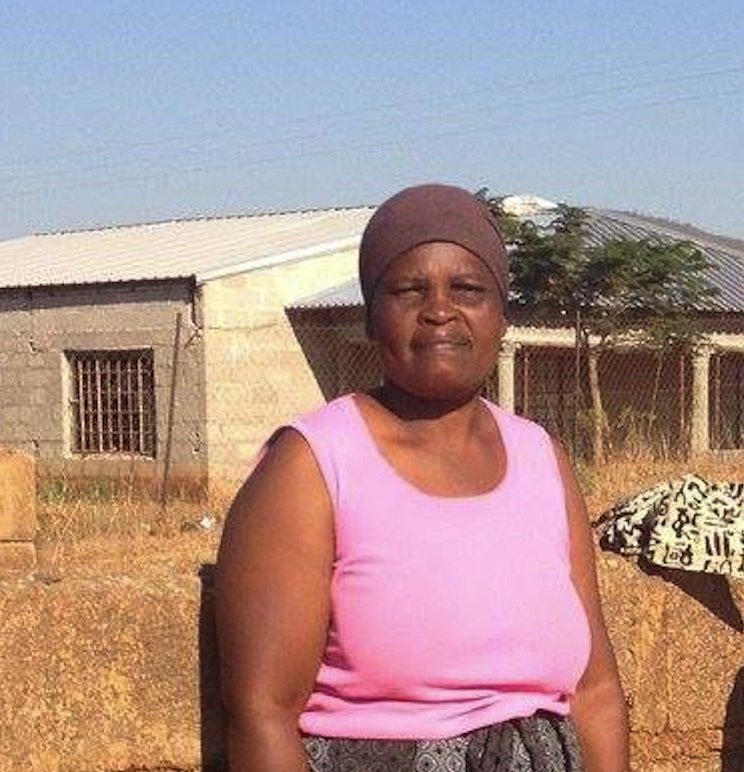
598	707
272	605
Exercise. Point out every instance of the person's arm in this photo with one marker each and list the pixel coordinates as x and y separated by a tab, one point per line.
598	708
272	605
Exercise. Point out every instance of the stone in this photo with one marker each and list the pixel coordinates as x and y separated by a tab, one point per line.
17	497
137	660
108	673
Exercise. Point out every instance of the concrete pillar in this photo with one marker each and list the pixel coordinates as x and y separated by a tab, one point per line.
699	423
17	514
506	376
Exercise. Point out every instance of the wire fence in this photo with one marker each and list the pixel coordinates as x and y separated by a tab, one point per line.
727	401
645	396
645	399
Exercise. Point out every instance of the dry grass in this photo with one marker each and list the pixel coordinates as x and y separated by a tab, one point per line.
73	511
101	529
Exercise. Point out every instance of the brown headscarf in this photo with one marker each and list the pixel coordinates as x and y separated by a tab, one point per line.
424	214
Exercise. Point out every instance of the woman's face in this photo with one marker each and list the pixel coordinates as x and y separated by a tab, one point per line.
438	321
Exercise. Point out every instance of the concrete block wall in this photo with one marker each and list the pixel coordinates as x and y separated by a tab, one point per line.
257	374
133	658
37	329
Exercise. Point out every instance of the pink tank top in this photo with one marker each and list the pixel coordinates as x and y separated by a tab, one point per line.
447	613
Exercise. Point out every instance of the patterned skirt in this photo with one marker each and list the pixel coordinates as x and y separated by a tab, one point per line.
540	743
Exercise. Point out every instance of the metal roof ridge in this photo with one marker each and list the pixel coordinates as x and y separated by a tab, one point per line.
701	238
270	260
194	218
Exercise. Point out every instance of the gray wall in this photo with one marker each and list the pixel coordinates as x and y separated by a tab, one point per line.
37	327
242	372
257	375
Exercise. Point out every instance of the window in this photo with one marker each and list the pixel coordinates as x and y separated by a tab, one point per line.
113	402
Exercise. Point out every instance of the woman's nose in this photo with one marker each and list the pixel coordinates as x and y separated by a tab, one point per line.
438	307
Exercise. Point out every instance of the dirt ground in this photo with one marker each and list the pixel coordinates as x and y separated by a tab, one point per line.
110	535
140	556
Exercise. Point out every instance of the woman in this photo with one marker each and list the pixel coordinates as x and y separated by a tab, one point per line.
406	581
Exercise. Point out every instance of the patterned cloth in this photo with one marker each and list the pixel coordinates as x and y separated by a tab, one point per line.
688	523
540	743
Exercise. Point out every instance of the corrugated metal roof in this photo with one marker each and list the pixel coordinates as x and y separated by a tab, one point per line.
345	295
207	248
200	248
726	272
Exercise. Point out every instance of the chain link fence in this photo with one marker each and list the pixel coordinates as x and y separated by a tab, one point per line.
727	401
646	396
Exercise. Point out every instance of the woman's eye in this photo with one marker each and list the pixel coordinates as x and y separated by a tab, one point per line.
469	289
406	290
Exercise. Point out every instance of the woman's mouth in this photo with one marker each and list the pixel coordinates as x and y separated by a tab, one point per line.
434	345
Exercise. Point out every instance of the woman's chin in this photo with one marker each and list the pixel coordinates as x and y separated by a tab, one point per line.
442	388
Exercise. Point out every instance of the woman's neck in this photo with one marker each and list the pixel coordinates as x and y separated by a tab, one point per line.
440	416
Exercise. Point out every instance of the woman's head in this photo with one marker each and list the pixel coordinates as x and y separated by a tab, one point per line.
433	272
425	214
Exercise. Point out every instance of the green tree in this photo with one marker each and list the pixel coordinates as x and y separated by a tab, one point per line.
618	292
508	224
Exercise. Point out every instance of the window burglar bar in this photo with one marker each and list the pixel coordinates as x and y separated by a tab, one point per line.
113	402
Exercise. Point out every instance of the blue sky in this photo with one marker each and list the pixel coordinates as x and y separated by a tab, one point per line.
132	111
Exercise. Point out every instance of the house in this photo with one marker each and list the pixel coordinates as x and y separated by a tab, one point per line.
162	350
679	401
170	351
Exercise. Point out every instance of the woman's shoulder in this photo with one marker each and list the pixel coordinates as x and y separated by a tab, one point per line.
518	425
300	434
327	417
323	435
327	424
